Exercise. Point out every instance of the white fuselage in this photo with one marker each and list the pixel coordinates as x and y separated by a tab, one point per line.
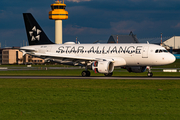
121	54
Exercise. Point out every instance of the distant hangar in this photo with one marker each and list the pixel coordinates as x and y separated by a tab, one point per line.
170	43
131	38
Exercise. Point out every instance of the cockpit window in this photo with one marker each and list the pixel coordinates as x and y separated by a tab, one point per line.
165	51
161	51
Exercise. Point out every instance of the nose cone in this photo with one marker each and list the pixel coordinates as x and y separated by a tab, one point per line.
171	58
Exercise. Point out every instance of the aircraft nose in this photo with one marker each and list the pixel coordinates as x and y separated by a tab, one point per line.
172	58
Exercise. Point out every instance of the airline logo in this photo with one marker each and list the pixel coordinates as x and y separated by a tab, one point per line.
35	34
102	50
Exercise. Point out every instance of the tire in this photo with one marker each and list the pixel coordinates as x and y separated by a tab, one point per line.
85	73
88	73
108	74
150	74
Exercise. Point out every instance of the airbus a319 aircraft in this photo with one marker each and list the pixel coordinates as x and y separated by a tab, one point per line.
101	58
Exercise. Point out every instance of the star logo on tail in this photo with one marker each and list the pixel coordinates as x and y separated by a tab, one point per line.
35	34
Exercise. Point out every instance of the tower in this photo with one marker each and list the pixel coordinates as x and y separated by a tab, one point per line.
58	14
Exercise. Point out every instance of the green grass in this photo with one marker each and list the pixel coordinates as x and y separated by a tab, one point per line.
39	99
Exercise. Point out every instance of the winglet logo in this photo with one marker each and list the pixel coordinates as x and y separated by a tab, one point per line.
35	34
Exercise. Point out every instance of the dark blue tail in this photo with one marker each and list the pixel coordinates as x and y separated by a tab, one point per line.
35	34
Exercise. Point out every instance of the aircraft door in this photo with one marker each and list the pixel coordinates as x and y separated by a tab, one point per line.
145	52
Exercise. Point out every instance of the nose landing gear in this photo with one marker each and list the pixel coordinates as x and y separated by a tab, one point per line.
150	74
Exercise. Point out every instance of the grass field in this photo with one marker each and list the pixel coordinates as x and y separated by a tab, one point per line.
65	99
40	99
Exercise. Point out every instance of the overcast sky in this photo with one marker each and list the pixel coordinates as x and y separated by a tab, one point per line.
92	20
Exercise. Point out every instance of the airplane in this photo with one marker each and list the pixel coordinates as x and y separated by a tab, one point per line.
101	58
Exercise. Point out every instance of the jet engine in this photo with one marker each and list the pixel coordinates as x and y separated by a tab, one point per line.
103	67
136	69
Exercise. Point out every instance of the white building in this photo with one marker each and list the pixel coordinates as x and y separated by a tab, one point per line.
167	42
173	42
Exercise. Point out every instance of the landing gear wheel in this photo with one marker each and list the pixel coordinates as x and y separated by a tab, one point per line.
85	73
150	74
88	73
108	74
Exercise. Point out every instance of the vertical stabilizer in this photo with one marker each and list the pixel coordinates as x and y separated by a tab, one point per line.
35	34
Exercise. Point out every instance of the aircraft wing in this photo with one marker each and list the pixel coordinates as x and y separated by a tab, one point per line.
28	49
67	56
63	58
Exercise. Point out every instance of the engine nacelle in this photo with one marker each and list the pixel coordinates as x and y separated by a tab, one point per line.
103	66
136	69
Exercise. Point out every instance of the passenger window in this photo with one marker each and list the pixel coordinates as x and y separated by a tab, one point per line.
156	51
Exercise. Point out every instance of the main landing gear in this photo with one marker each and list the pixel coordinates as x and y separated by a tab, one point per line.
108	74
150	74
85	73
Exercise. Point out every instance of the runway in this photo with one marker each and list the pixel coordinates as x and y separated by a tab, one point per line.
92	77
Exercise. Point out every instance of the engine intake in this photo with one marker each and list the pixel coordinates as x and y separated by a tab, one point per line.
103	66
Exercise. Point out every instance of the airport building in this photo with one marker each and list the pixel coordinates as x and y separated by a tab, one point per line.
170	43
1	56
131	38
14	56
28	59
11	56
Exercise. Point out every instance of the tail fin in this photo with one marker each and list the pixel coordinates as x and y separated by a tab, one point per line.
35	34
